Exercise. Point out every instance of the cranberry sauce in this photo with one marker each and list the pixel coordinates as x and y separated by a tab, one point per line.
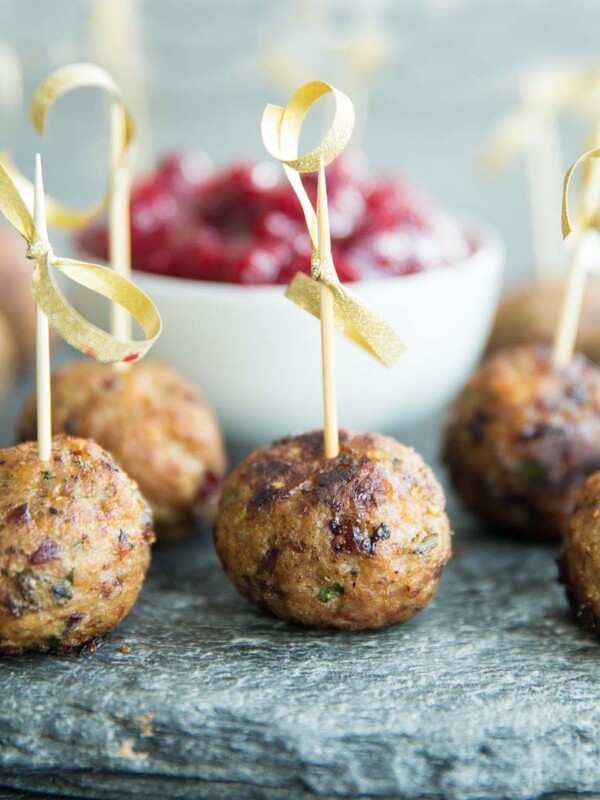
244	224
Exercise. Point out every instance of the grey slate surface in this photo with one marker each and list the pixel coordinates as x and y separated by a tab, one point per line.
491	692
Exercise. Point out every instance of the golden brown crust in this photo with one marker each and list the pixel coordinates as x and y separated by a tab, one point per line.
354	542
75	536
530	313
522	437
155	423
579	559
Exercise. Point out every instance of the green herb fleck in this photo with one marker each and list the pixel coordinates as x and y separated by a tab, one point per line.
47	475
78	545
62	592
532	470
240	516
429	543
27	583
328	593
69	577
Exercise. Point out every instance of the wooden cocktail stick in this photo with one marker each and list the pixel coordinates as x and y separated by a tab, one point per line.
116	42
568	324
543	171
543	165
119	223
566	332
332	441
42	338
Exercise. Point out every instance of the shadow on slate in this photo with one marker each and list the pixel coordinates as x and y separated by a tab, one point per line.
491	692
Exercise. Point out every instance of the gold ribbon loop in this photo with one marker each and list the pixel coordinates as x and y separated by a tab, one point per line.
14	209
281	135
56	85
281	128
68	322
589	222
67	79
549	92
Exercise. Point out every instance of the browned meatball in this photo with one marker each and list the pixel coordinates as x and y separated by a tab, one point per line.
155	423
530	314
359	541
16	303
579	560
523	436
75	537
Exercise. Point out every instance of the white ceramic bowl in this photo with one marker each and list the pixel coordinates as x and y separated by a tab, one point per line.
257	356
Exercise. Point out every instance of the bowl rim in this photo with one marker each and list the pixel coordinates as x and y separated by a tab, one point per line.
489	246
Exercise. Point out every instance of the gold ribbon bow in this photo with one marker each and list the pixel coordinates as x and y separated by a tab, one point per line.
58	83
69	324
547	93
281	134
585	220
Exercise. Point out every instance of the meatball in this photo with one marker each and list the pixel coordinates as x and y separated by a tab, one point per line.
354	542
523	436
579	560
530	314
157	426
75	536
15	299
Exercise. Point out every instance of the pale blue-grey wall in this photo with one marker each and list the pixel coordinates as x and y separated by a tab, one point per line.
452	70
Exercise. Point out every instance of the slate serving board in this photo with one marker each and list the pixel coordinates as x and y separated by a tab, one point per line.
491	692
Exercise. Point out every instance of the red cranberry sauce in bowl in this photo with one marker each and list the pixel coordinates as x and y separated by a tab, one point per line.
244	225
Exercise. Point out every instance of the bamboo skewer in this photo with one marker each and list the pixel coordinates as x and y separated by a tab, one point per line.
543	162
566	332
116	39
332	443
119	222
42	338
543	171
